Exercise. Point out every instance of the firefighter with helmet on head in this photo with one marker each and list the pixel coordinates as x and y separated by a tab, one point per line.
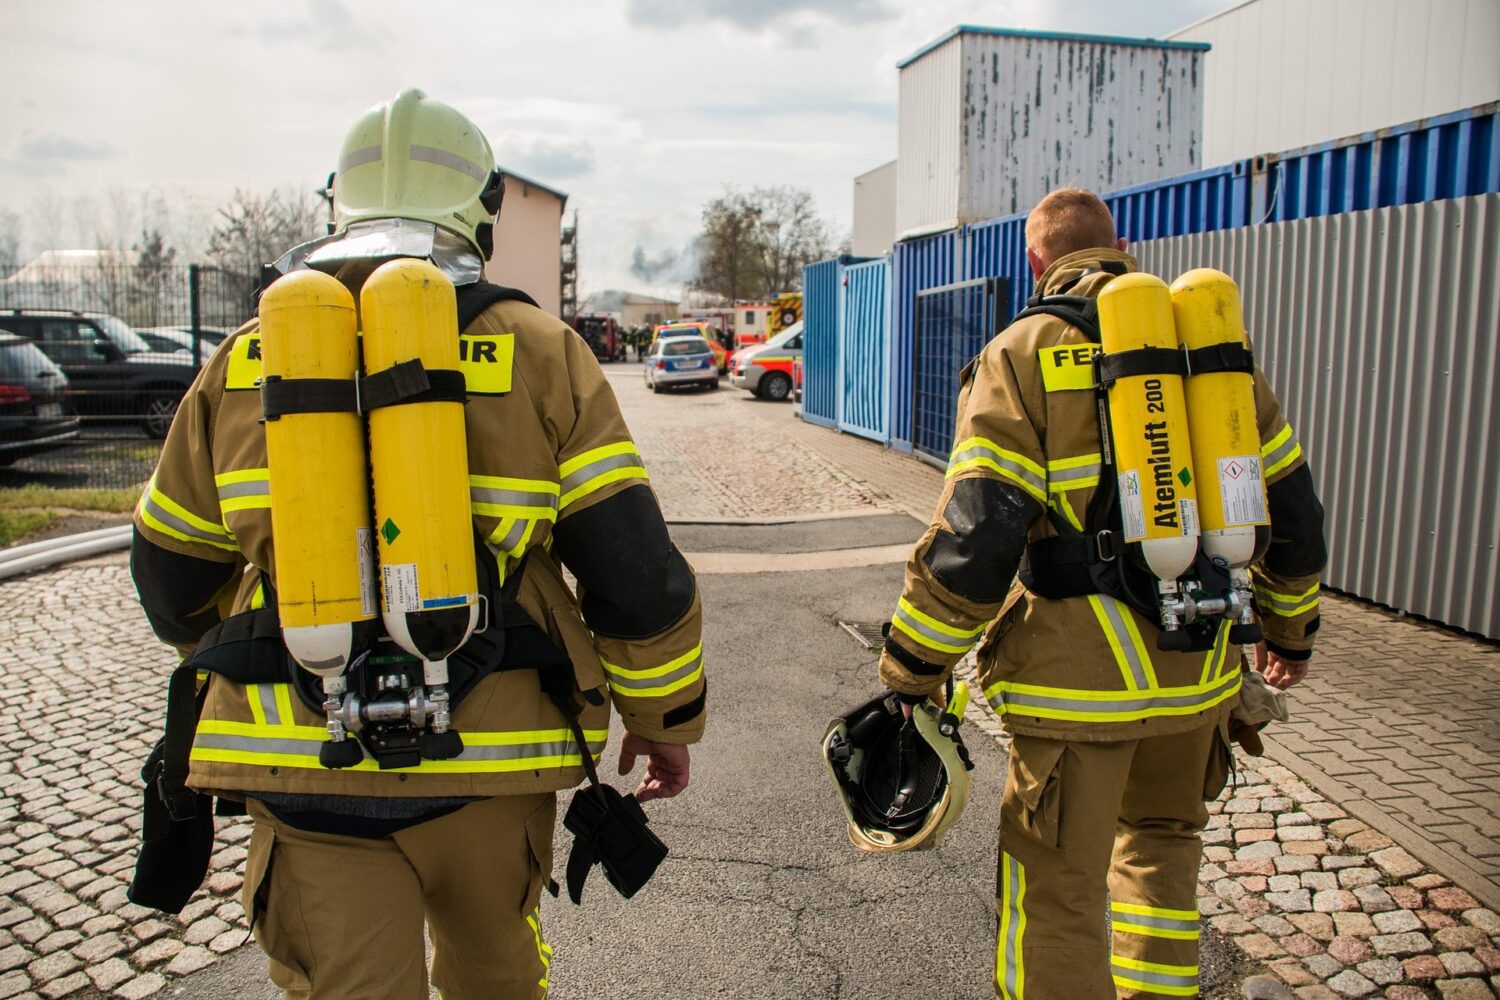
1111	659
357	545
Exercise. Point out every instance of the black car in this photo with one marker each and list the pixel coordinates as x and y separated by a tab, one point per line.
34	413
112	371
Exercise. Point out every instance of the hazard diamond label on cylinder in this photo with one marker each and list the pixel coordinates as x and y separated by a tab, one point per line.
1241	489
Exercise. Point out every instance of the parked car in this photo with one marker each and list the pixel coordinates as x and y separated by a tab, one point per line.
766	369
602	332
704	331
681	361
167	339
34	413
112	371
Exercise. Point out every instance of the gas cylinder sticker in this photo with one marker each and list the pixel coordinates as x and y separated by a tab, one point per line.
1240	486
400	587
1131	506
1188	509
364	542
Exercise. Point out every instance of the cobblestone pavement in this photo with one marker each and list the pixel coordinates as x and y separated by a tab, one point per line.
1358	860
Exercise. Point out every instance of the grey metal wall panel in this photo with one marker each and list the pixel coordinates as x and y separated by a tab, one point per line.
1381	334
927	141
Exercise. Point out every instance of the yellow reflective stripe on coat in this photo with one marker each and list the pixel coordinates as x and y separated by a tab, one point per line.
298	746
1125	640
505	496
1213	663
594	469
982	453
929	632
1074	473
1083	705
169	517
1010	958
1280	452
1155	977
1286	605
1154	921
543	949
244	489
654	682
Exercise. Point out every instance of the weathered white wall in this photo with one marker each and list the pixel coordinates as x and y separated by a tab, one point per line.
528	243
874	211
1289	73
928	145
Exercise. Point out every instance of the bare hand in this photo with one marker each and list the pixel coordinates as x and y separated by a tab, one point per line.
666	766
1279	673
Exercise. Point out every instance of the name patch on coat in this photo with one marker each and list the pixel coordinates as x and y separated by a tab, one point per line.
486	359
244	369
1067	366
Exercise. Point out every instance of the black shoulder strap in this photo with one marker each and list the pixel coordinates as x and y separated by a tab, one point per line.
476	298
1078	311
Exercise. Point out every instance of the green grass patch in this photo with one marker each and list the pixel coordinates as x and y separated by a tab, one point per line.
117	501
15	525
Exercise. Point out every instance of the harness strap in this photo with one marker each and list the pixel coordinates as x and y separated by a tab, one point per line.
1140	361
280	396
409	382
1221	358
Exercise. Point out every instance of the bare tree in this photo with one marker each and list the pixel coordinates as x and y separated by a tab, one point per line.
755	245
256	228
10	241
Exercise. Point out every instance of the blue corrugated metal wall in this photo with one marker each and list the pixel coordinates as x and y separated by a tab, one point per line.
820	342
865	350
1450	156
915	265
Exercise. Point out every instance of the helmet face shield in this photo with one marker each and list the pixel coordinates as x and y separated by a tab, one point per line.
902	782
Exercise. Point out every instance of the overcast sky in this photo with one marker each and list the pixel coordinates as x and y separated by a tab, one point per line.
640	109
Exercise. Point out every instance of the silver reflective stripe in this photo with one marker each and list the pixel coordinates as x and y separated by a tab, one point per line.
1056	476
575	479
1154	978
1289	608
443	158
1286	448
512	498
930	633
249	488
1014	900
513	536
1124	920
258	744
360	156
618	681
1118	706
525	751
267	695
178	524
980	451
1114	611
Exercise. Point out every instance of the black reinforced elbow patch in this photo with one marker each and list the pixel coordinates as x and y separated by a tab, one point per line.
977	556
634	582
1297	547
176	591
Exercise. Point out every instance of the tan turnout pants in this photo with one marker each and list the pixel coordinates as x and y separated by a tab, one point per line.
342	917
1080	818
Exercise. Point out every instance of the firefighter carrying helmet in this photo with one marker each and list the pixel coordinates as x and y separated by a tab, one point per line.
416	158
903	782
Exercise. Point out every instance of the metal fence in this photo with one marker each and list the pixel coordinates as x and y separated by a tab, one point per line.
953	323
865	350
820	341
1381	333
118	346
915	264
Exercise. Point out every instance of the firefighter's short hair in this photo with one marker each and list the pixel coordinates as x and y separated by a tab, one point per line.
1068	220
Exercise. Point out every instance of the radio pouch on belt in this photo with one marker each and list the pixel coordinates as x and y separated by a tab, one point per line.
609	829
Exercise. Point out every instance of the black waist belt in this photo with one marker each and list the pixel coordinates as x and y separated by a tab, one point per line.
1071	567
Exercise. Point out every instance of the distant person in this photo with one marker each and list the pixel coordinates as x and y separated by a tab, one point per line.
1117	743
346	866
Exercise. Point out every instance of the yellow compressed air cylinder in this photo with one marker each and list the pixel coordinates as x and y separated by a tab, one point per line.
1149	428
1221	412
320	508
420	465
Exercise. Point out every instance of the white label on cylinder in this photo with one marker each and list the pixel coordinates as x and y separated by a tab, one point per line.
364	543
400	587
1240	486
1188	509
1131	506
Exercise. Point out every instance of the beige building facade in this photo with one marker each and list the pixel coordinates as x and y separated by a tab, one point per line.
528	241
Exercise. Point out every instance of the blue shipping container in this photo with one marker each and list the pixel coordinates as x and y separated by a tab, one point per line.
820	342
865	350
915	265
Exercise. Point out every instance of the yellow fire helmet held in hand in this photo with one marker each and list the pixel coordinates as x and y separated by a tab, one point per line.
903	782
416	158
